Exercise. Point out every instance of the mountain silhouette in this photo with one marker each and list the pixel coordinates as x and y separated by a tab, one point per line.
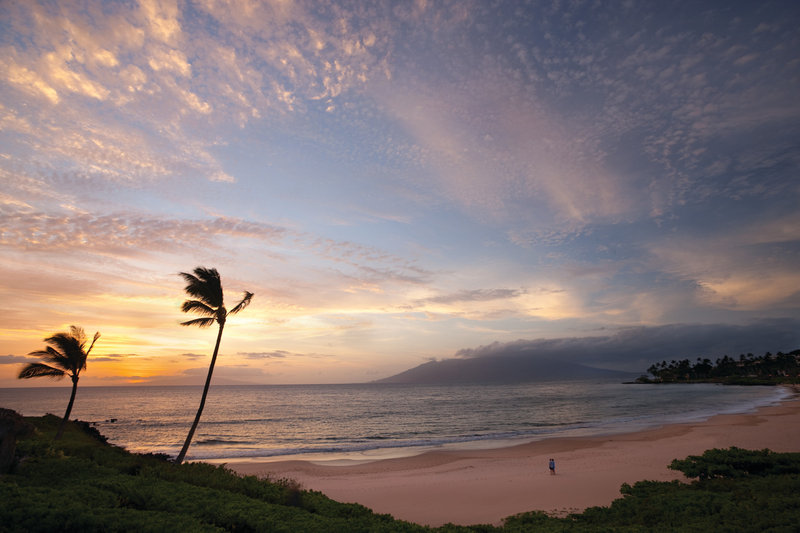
518	368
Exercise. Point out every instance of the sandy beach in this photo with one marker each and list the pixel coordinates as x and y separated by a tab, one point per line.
485	486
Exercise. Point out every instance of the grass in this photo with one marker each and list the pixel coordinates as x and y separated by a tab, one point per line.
81	483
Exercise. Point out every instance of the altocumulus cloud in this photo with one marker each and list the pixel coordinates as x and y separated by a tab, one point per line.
123	232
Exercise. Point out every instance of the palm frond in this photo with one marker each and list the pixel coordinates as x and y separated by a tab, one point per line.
192	284
244	303
69	355
79	335
187	277
35	370
196	306
66	351
204	285
53	356
201	322
65	354
208	275
94	340
68	344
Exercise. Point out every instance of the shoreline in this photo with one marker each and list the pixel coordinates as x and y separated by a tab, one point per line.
484	485
345	457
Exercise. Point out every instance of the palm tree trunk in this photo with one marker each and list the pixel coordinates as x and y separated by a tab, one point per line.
186	444
69	408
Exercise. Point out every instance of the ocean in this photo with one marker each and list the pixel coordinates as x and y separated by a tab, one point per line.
362	421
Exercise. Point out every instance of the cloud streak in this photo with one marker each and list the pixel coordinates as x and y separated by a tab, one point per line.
15	359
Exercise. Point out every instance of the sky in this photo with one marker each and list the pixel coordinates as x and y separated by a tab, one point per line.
396	182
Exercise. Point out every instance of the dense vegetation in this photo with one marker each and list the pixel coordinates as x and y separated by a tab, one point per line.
738	490
746	370
81	483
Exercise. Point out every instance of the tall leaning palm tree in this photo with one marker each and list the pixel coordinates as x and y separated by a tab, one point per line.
67	357
205	287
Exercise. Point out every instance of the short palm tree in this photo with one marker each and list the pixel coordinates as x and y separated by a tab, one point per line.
205	287
67	357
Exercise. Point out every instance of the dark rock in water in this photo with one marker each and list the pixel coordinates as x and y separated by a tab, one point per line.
90	430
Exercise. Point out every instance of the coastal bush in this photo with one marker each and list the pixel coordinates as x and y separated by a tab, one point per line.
744	505
736	490
736	463
38	509
80	483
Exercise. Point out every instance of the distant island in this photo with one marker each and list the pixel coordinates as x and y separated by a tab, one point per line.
768	369
517	368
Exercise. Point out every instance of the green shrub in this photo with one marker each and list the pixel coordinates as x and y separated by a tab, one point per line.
736	463
80	483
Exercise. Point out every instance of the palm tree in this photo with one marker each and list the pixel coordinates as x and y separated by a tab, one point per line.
67	356
205	287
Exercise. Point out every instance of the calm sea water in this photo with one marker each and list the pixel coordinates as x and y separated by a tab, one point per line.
372	419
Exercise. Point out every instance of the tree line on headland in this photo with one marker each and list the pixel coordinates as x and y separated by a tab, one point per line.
748	369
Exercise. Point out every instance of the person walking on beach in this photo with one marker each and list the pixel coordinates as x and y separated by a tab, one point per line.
552	467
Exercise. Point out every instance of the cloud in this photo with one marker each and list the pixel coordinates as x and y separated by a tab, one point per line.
111	357
223	375
503	142
635	348
93	153
128	236
370	264
747	269
277	354
474	295
354	161
506	160
116	252
22	77
123	234
280	354
15	359
143	64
